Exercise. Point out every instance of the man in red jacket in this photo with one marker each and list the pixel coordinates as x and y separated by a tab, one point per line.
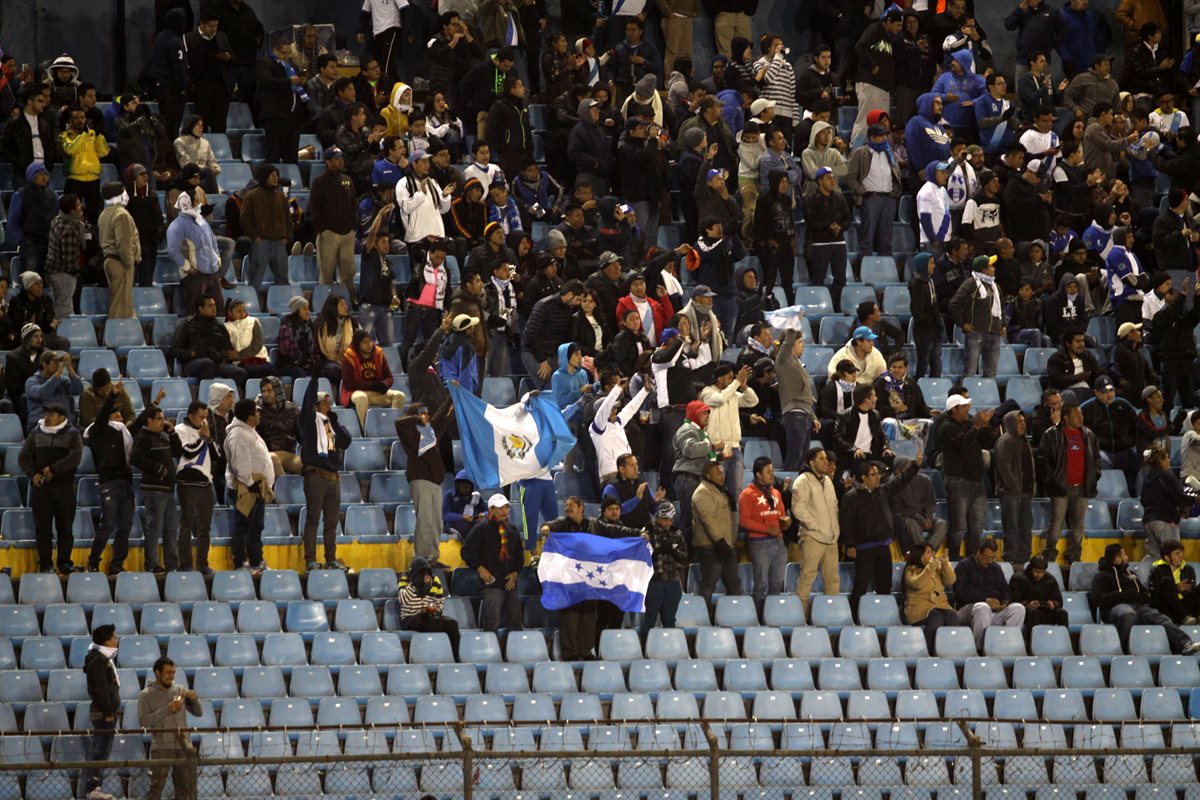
366	377
656	313
763	515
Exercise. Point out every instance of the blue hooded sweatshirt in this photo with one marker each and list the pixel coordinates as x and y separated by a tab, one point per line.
967	86
925	139
731	110
568	386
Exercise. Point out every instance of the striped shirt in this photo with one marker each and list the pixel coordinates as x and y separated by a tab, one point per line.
779	84
413	604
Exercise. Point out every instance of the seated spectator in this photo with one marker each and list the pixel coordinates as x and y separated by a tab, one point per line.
1173	585
423	603
33	305
861	352
899	397
54	384
93	398
1039	593
1122	600
981	593
202	347
1073	366
192	148
837	395
1190	453
858	434
926	577
334	333
916	518
246	337
367	378
462	506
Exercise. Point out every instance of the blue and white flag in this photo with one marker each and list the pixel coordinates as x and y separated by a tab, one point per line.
504	445
579	566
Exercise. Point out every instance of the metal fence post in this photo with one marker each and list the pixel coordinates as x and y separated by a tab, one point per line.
714	764
975	744
468	765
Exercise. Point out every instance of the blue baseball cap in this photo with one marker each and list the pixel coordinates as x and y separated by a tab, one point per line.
823	171
863	332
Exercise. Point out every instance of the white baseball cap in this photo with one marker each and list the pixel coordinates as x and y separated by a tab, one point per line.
956	400
497	501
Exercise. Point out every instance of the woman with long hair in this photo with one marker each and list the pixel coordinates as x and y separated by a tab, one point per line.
442	122
334	330
1162	500
926	577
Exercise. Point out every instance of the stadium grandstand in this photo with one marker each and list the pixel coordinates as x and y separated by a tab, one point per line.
604	400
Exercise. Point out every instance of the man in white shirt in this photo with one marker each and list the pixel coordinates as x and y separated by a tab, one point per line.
1041	142
421	202
28	140
386	41
608	427
933	209
481	167
726	396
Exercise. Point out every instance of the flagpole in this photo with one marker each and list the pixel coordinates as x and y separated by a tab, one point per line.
524	520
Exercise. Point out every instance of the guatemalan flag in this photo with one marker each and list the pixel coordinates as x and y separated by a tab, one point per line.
503	445
579	566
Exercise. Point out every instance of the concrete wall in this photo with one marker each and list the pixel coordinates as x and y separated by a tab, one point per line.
85	29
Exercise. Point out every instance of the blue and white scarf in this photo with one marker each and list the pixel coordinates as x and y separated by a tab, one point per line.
289	69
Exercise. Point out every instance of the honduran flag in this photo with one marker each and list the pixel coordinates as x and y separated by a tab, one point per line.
579	566
503	445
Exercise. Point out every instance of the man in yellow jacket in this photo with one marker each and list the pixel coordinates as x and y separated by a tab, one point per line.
82	149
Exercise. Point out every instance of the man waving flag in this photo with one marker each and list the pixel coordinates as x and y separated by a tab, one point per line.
504	445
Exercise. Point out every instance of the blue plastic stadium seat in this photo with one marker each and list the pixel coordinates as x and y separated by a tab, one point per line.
328	584
936	674
80	332
161	619
306	616
831	611
236	650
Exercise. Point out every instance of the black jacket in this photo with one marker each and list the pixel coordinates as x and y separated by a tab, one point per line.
447	66
273	97
961	445
155	455
1060	369
1114	585
845	431
1165	593
508	132
16	146
625	351
974	583
635	511
910	395
200	337
547	327
1024	589
242	26
1173	338
168	63
60	452
108	445
306	432
873	53
482	549
203	66
923	306
594	526
1026	217
866	517
1172	250
1053	451
102	686
643	169
1162	497
1113	424
821	211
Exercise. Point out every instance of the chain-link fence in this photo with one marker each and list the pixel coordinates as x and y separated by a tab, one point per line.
766	761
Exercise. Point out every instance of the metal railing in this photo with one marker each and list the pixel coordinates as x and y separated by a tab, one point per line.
454	761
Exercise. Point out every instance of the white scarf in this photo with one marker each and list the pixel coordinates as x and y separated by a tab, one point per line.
322	434
126	436
671	283
983	281
110	653
52	428
183	204
119	200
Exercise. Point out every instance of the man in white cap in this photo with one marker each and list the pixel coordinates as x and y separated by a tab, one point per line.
421	202
1131	370
495	551
122	249
978	309
963	441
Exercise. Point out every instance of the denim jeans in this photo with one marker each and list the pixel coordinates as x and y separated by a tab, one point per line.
968	514
797	429
984	348
1158	532
161	524
662	601
875	234
245	545
264	255
1126	615
929	355
377	321
769	557
733	471
531	366
100	745
825	258
1016	513
1072	508
116	520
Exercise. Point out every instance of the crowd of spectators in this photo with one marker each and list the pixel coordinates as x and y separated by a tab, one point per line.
621	230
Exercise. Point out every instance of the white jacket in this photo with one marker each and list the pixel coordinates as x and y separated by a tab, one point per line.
725	423
869	368
609	438
815	506
246	455
421	205
241	334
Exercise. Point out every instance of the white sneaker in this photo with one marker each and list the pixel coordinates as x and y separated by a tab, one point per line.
1191	649
99	794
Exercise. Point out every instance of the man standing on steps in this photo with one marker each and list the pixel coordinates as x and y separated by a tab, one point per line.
163	707
321	437
421	435
104	690
876	75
